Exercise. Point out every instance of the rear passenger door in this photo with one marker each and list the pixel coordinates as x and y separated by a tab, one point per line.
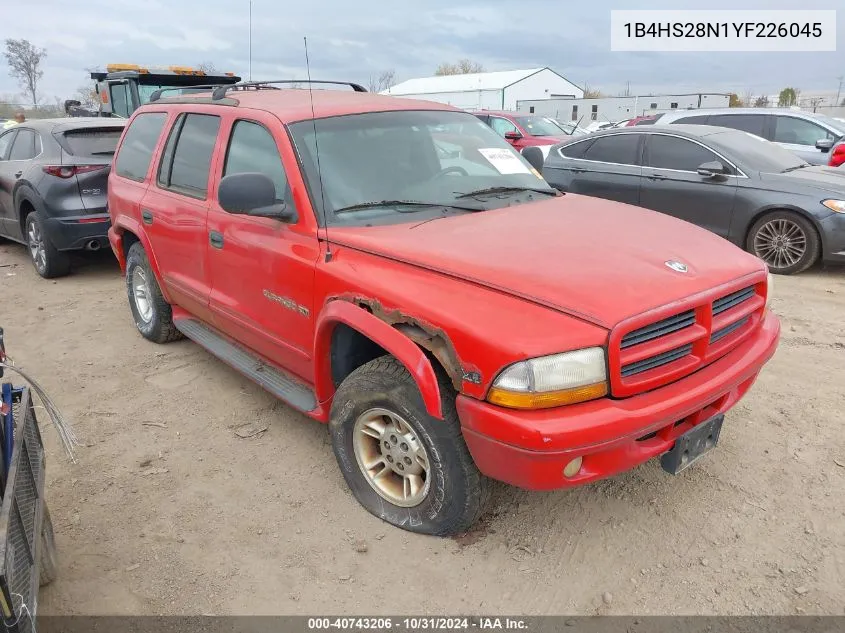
609	168
671	183
262	269
175	208
7	183
25	146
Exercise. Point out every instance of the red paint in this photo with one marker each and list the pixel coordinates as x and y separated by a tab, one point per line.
527	139
837	156
504	285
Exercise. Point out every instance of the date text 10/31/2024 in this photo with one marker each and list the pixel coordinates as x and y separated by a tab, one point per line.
418	624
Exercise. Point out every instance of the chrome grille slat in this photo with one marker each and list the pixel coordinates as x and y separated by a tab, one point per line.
656	361
729	301
733	327
661	328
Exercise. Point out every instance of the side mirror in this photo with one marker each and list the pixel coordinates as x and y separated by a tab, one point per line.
824	144
252	194
711	169
513	135
534	155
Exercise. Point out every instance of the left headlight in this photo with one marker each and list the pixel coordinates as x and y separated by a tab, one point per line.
552	381
835	205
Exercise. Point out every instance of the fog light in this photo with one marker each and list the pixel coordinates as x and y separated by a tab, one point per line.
572	468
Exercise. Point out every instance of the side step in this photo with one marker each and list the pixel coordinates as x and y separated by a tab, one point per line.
273	380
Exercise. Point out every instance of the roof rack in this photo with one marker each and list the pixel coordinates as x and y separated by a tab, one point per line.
220	90
156	95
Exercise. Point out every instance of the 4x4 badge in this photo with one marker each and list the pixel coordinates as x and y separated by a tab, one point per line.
677	266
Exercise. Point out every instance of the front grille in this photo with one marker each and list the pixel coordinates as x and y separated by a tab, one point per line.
661	328
731	300
656	361
658	353
733	327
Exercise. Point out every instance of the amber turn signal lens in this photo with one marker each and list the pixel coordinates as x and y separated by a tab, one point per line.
547	399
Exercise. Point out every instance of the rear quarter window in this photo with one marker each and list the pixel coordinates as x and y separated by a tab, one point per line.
136	151
575	150
92	142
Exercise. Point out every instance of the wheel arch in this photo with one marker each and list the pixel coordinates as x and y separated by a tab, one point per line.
774	208
129	232
339	313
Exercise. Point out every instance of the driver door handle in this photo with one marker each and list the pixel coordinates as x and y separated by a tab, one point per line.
656	177
215	238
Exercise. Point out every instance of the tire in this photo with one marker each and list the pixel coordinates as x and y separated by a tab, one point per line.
152	314
48	262
48	558
455	492
797	231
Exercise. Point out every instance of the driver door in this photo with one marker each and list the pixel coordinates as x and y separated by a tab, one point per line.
262	269
7	183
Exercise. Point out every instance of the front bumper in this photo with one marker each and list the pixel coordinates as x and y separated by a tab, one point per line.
71	233
529	449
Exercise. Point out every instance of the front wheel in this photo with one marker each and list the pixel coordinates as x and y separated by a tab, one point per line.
404	466
786	241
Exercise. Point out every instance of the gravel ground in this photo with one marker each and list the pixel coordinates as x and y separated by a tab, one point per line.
168	511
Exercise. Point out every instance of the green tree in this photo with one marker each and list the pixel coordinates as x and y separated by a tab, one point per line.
735	101
24	62
462	67
788	97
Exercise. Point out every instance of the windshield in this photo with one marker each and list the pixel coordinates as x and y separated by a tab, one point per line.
754	152
390	167
571	128
835	124
144	92
540	126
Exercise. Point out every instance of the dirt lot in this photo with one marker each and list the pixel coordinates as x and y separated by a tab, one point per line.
168	511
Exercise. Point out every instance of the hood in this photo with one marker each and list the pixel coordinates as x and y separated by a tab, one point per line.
597	260
826	179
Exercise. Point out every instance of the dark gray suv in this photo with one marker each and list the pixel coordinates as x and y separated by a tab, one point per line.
53	176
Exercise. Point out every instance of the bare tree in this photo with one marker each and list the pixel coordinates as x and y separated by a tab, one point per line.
24	61
208	68
86	95
592	93
748	98
761	102
384	80
462	67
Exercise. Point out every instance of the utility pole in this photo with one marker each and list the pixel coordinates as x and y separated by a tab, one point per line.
839	91
250	40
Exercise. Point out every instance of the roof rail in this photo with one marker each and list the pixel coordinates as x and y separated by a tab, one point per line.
156	95
220	91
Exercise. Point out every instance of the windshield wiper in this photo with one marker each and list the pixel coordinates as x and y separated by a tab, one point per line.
479	192
404	203
789	169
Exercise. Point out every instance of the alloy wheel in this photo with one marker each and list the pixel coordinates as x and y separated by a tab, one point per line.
37	251
780	243
141	294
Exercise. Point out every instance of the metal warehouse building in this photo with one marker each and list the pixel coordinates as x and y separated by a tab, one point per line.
489	91
619	108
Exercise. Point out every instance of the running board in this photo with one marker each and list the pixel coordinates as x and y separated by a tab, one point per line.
273	380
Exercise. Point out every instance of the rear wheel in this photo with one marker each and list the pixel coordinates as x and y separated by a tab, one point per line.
404	466
48	261
152	314
786	241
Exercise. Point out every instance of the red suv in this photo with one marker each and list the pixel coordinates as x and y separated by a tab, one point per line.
525	130
395	269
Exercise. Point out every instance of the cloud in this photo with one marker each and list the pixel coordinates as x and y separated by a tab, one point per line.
354	40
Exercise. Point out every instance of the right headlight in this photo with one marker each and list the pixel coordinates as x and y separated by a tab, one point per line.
552	381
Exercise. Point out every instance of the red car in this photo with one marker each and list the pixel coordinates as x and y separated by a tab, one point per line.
525	130
446	312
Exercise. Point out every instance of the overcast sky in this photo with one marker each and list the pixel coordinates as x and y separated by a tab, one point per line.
351	40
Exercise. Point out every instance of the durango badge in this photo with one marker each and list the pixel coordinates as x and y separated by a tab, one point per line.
678	267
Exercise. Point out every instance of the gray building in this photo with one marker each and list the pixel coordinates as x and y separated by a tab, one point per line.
615	109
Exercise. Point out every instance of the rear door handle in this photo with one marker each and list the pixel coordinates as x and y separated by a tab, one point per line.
147	216
656	177
577	170
215	239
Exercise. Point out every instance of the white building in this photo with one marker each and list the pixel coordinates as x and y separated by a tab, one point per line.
489	91
612	109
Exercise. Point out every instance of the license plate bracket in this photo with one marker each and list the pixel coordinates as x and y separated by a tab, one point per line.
692	445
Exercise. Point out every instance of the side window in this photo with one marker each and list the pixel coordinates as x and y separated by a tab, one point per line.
253	149
575	150
501	126
751	123
616	148
700	119
187	156
136	150
5	143
26	146
798	131
120	100
671	152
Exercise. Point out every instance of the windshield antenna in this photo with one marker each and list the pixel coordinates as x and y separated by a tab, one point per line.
317	152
